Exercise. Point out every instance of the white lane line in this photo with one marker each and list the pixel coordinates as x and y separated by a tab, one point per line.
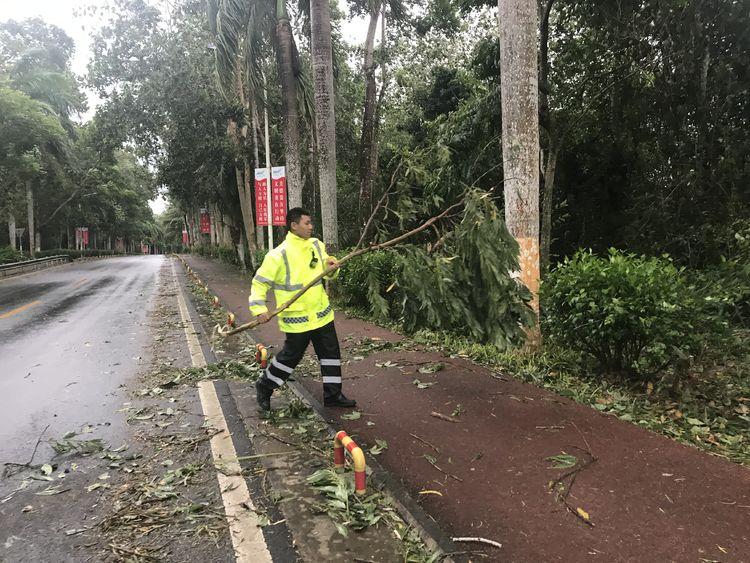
247	536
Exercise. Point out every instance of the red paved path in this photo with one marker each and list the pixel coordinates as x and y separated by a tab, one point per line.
649	498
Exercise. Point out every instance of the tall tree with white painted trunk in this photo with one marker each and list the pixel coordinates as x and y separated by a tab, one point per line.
325	120
520	133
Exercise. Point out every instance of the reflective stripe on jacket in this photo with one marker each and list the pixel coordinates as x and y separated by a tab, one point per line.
286	270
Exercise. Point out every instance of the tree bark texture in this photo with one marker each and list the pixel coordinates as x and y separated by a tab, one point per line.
12	231
30	216
289	107
548	155
325	122
260	234
549	191
369	124
520	131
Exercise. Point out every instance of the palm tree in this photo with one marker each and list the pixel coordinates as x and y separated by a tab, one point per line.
325	121
289	73
226	18
244	32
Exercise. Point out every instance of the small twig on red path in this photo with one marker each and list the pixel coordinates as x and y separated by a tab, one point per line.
434	464
478	540
424	442
444	417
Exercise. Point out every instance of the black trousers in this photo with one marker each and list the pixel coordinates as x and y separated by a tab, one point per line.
326	345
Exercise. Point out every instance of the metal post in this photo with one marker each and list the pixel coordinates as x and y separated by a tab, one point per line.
268	165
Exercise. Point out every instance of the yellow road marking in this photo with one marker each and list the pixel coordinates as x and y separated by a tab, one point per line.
16	311
79	283
247	535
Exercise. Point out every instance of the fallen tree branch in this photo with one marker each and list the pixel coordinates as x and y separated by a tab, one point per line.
31	459
444	417
478	540
434	464
424	442
327	271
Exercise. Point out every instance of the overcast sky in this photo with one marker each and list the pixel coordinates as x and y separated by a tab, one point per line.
62	13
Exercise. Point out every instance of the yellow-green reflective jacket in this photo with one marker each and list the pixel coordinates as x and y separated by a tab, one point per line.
286	270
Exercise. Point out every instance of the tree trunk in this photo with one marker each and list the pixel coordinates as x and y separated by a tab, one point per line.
287	78
30	216
260	234
520	115
238	133
212	223
369	124
187	230
249	183
247	215
325	121
549	191
12	231
548	153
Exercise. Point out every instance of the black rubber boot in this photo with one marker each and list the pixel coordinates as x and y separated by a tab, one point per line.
340	400
263	396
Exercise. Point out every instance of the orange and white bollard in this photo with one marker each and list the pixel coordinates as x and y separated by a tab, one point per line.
342	441
261	355
230	319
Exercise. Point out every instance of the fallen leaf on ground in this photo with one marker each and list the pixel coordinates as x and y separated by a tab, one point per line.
51	491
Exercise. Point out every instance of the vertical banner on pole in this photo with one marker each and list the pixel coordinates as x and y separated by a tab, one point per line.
205	221
185	239
261	201
85	235
278	195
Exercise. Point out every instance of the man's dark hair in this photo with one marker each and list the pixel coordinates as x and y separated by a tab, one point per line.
294	215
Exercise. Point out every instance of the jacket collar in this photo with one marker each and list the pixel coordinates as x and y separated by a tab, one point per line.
294	240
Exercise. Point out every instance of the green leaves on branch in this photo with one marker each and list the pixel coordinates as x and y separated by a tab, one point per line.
458	283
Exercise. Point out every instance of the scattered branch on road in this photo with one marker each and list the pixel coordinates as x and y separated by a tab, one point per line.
28	464
327	271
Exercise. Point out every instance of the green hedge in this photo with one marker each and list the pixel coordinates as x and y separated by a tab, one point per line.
8	255
632	314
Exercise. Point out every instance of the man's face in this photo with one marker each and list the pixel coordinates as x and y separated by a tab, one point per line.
304	228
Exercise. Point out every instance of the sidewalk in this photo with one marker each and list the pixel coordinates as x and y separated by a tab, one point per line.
648	498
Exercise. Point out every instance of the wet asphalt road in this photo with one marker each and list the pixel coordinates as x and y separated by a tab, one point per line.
70	337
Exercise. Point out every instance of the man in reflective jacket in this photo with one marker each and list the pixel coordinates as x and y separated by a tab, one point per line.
286	269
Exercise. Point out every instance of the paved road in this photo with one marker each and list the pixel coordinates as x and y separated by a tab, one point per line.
70	336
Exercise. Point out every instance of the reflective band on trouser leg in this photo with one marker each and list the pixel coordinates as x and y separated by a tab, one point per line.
277	372
341	441
330	369
272	378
